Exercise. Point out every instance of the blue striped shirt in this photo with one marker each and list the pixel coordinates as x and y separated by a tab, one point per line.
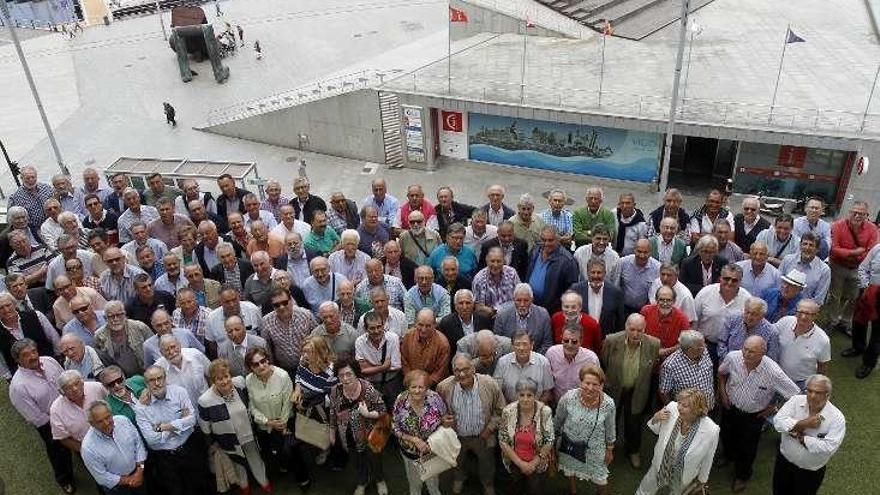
562	221
468	410
108	458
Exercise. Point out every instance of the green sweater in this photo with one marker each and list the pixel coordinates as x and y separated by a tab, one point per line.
137	385
583	222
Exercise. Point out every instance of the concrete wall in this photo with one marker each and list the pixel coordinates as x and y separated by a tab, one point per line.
346	125
484	20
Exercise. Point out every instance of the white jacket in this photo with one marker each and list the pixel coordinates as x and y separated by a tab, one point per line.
697	460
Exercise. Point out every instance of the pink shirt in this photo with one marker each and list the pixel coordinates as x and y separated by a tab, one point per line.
33	392
68	420
565	372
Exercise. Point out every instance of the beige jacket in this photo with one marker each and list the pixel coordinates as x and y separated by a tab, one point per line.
491	400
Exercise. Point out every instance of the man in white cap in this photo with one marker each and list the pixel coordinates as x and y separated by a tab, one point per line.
783	300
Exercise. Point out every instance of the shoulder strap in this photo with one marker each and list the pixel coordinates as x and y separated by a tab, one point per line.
787	243
382	360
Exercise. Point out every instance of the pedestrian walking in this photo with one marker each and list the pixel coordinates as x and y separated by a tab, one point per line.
240	34
169	114
258	50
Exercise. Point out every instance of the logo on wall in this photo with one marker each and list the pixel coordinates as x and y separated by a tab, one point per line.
452	121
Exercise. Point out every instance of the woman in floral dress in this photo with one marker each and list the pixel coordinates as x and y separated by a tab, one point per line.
418	412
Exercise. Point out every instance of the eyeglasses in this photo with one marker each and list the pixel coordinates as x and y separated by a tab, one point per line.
61	287
259	362
746	208
730	279
280	304
570	341
115	382
79	310
114	316
113	260
665	301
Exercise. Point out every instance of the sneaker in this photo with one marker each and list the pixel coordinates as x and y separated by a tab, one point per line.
305	485
360	490
381	488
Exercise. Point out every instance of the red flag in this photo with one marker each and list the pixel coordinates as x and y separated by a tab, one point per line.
456	15
607	30
452	121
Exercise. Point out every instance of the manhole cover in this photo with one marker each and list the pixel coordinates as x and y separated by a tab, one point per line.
142	58
290	159
568	200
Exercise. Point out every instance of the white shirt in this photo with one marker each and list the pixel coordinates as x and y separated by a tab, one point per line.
300	227
265	216
584	254
752	391
711	310
364	350
215	329
476	242
594	303
819	443
683	298
192	372
395	323
800	355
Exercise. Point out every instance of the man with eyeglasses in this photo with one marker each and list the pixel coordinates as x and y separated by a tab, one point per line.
122	392
322	285
748	224
666	245
715	302
285	328
74	271
419	241
192	192
162	325
805	348
122	339
32	262
86	321
235	347
66	291
190	315
97	216
80	357
117	282
684	300
68	248
377	351
851	240
664	321
567	358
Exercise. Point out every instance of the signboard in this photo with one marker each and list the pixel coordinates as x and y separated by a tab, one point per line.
792	156
453	134
599	151
414	136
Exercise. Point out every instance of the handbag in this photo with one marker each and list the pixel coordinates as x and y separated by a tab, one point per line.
312	431
432	465
380	433
575	450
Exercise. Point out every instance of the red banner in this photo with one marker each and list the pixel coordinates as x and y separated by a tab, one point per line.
451	121
456	15
792	156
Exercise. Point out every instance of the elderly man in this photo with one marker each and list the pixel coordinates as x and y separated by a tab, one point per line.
716	302
32	262
805	349
97	216
454	246
32	392
493	285
738	327
192	192
587	217
167	227
557	216
812	430
780	239
348	260
157	189
419	241
748	224
207	291
818	275
851	240
162	325
117	282
812	223
387	206
148	262
424	348
236	346
704	267
67	414
485	348
167	420
566	360
66	292
426	294
415	201
190	315
122	393
343	213
238	234
664	321
71	199
479	232
31	196
783	299
571	315
230	198
703	218
376	278
258	286
86	322
637	272
113	451
758	275
231	270
74	271
113	202
474	403
261	241
464	320
50	227
296	259
68	248
33	299
15	326
141	237
321	239
526	225
274	199
525	315
523	362
552	270
377	351
147	300
340	336
185	367
684	300
394	320
496	210
122	339
173	279
671	208
374	234
288	223
135	212
515	250
285	328
322	285
631	224
451	277
666	246
628	359
449	211
253	213
687	367
748	383
727	249
99	242
231	305
304	203
604	301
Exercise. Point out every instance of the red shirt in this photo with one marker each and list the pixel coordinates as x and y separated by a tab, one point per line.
591	335
667	328
843	242
427	211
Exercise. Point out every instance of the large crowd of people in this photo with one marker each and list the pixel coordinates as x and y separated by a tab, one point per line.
182	343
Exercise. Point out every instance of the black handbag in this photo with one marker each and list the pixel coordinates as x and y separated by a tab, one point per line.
576	450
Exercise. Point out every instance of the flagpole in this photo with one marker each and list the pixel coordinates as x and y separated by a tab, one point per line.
778	74
449	53
522	72
870	97
670	125
602	69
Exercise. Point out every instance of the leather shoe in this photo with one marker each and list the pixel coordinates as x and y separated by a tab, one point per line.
739	485
851	352
863	371
635	460
68	488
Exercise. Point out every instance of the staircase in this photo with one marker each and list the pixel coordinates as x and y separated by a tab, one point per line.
389	113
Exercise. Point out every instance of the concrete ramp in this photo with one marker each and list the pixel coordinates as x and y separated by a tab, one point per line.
510	16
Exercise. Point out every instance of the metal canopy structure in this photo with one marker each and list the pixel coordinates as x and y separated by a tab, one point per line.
175	170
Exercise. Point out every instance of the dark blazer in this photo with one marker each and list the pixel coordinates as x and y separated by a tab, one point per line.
519	260
613	355
461	282
743	240
460	213
407	271
42	301
226	350
450	326
691	273
111	202
221	202
199	253
562	272
245	270
612	317
221	222
280	262
684	220
312	204
352	217
508	212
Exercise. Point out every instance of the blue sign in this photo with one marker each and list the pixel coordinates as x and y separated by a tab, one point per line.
579	149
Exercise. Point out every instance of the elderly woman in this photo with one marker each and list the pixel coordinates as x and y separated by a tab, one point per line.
18	220
585	421
417	413
685	447
269	388
526	438
69	223
68	415
354	408
223	415
314	379
348	260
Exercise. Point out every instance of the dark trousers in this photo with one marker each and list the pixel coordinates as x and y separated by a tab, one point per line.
125	490
59	456
520	484
285	454
367	465
184	471
712	347
870	348
740	433
789	479
632	423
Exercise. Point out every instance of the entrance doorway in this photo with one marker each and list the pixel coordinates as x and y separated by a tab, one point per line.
699	164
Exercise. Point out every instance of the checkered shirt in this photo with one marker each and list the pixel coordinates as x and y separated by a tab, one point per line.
678	372
562	222
392	285
32	201
125	221
196	324
285	340
490	293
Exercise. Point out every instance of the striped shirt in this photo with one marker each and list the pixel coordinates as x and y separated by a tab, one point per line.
468	410
32	200
752	391
121	289
315	386
562	221
494	293
393	288
678	372
125	221
39	258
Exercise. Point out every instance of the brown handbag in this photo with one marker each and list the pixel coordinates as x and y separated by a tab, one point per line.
381	432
